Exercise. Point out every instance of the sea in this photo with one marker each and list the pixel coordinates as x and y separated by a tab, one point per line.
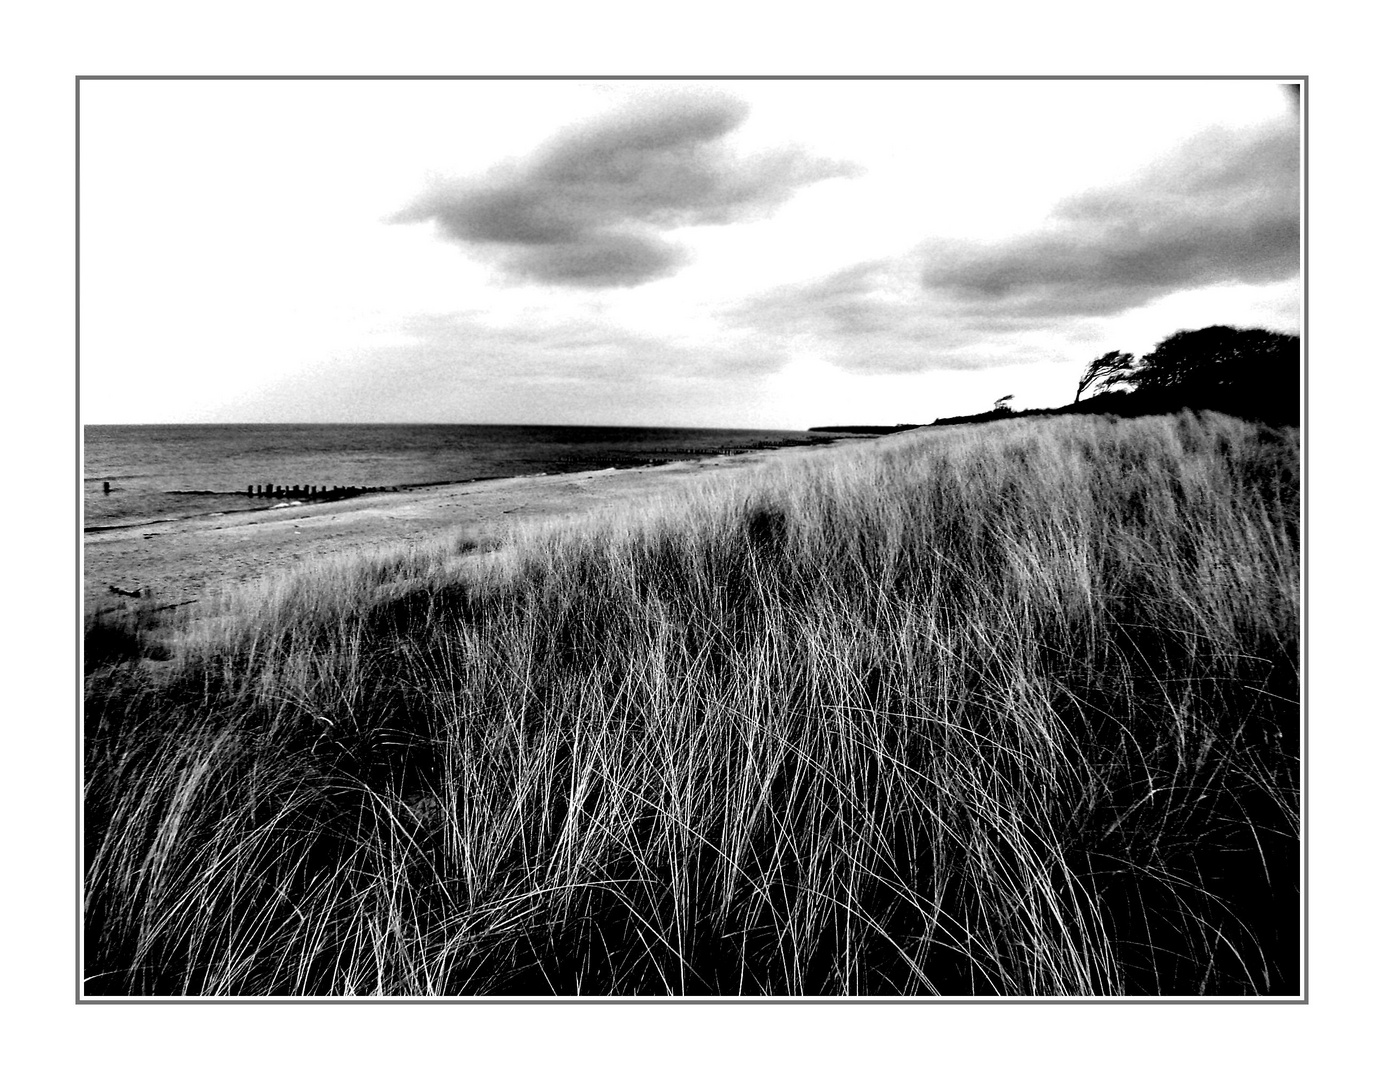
164	472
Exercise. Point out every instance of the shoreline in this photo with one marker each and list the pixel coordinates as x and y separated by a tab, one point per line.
176	561
407	488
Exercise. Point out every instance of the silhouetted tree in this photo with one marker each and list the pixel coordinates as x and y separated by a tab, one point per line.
1106	371
1250	372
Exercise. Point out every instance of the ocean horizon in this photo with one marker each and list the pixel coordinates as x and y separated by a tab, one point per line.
170	471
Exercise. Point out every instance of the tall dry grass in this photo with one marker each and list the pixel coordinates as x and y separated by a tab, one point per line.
1010	710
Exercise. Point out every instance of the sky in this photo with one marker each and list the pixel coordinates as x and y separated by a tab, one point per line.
734	253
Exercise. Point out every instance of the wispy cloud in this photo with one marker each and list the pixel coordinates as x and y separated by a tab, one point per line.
877	316
590	209
436	367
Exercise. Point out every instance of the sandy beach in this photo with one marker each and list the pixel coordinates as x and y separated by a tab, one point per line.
175	562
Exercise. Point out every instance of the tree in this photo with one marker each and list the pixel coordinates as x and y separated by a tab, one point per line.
1250	372
1104	372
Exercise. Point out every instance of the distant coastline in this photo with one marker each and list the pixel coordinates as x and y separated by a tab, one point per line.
862	429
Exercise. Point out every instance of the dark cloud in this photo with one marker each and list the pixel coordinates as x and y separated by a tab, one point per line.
598	259
588	209
1223	209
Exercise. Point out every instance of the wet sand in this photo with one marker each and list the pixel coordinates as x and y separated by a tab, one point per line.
175	562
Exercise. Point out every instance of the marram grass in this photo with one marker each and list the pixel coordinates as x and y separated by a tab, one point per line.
1008	710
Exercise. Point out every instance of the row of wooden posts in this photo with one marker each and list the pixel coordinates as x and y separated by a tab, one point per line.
303	491
280	491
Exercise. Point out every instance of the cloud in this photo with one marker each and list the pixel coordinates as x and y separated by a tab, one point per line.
876	316
1223	208
1221	211
539	364
589	209
469	349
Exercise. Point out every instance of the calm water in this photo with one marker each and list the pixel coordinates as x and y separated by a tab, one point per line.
185	470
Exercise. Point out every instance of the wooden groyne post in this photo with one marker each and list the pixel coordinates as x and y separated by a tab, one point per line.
305	491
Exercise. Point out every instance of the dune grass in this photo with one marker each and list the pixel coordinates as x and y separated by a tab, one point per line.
1005	710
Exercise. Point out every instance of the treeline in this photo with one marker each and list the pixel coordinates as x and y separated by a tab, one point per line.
1250	373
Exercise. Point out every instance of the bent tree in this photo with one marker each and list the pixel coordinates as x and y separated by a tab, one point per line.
1106	371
